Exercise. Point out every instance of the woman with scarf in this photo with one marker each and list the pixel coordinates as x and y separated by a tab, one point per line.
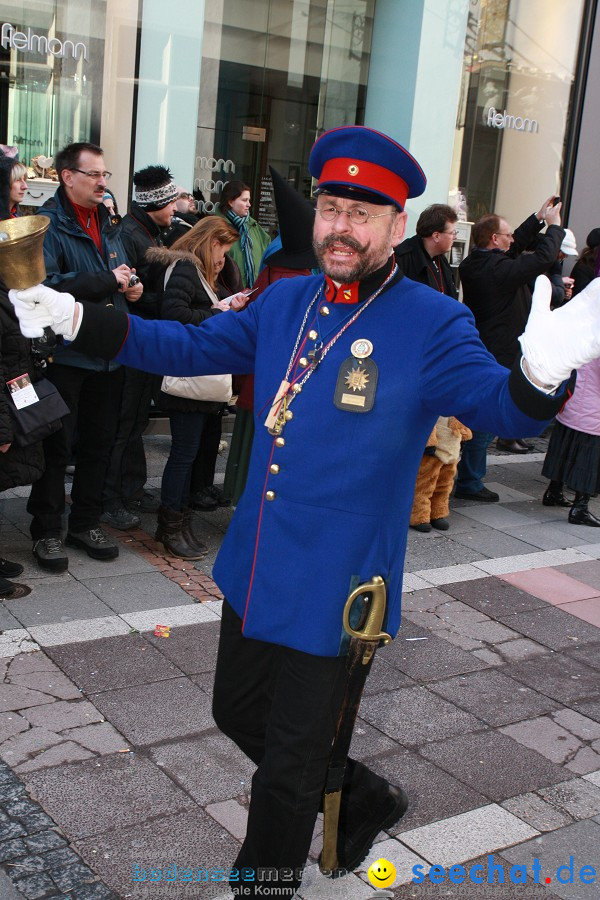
247	252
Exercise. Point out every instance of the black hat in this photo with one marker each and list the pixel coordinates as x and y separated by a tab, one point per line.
296	221
154	188
593	238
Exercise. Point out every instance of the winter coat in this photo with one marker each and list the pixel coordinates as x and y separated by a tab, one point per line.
74	265
582	274
19	465
491	280
321	512
184	300
139	233
414	262
260	242
582	412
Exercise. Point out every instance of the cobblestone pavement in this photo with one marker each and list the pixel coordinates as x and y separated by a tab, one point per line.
114	779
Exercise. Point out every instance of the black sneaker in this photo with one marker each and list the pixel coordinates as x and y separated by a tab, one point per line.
94	542
484	495
9	569
120	518
7	588
50	554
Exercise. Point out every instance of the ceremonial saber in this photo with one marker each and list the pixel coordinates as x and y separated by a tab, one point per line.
364	640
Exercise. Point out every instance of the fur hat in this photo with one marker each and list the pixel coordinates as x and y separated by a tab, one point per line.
154	188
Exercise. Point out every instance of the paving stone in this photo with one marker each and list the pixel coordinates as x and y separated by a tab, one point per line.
577	724
191	839
62	753
134	593
473	759
100	738
433	794
436	551
536	812
10	830
593	777
428	659
580	841
491	542
80	630
415	715
11	723
469	891
113	662
14	697
547	536
578	798
22	746
552	628
519	649
70	876
558	676
588	708
444	575
7	890
95	891
368	741
467	835
36	821
192	648
27	663
20	806
231	815
385	677
29	865
127	563
166	710
16	640
191	614
44	841
493	697
588	572
12	849
132	789
63	600
540	560
63	714
210	768
37	887
7	620
589	655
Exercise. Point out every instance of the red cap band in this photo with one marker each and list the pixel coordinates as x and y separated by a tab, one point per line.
365	176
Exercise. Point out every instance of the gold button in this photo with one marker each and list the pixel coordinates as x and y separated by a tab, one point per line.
324	310
312	334
274	469
270	495
303	362
280	442
296	388
288	415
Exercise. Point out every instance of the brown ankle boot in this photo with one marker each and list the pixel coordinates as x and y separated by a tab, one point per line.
169	532
188	532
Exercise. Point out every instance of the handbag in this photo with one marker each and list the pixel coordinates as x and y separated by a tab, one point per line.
36	421
211	388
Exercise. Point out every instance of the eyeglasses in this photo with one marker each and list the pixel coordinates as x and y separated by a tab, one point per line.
505	233
454	232
94	175
185	197
358	215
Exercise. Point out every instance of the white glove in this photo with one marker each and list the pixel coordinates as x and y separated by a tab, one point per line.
41	307
555	342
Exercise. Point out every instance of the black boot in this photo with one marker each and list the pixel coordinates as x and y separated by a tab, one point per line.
188	532
554	495
169	532
579	513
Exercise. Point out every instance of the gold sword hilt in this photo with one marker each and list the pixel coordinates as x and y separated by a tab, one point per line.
369	628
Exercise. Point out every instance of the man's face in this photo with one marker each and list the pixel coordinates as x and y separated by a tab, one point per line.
86	187
348	251
504	236
162	217
446	237
185	203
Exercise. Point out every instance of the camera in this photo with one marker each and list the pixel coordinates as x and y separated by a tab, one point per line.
133	281
555	201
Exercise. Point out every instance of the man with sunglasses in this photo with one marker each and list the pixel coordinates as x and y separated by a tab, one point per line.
352	368
84	257
496	278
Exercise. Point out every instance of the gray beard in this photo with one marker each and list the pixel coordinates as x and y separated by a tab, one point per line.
362	268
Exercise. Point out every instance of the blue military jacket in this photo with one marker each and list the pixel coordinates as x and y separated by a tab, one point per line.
329	505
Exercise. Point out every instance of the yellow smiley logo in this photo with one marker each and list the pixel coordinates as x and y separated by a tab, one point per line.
382	873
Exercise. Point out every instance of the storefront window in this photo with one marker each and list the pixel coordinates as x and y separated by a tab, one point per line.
274	74
519	66
50	74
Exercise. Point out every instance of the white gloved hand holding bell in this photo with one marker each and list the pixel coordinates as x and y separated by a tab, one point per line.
42	307
556	342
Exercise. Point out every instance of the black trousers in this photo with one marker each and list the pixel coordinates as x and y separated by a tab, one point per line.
127	472
203	470
93	399
280	706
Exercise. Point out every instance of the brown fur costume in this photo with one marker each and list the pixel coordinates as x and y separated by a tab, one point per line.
437	470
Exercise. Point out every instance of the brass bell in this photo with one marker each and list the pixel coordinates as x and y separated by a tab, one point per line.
21	251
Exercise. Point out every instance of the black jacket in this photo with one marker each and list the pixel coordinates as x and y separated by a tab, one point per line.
139	233
184	300
495	286
417	264
19	465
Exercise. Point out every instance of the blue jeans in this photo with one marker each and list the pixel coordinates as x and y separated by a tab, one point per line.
186	432
472	465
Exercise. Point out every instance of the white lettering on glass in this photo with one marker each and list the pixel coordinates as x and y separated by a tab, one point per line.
11	39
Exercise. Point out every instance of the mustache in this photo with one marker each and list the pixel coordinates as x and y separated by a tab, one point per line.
343	239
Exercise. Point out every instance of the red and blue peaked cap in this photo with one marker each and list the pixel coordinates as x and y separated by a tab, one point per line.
358	162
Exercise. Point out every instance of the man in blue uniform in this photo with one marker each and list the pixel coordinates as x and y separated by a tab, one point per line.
351	371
